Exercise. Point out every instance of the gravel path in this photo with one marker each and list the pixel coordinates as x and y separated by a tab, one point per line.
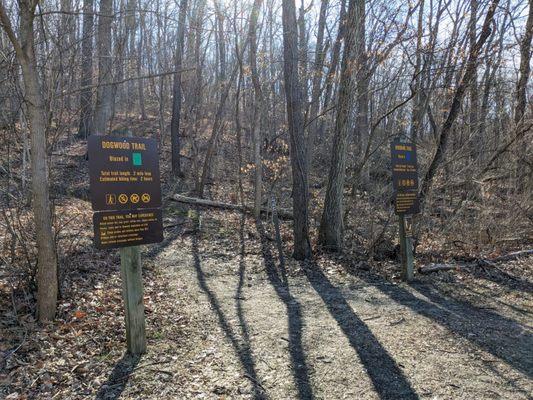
258	331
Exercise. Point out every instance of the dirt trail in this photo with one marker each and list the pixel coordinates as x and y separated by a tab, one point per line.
257	331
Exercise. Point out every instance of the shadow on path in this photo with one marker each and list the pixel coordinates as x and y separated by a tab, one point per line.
278	279
502	278
115	384
169	237
504	338
242	347
387	377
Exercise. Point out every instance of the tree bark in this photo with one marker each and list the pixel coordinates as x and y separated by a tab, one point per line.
523	183
258	107
47	284
104	98
525	58
417	114
86	96
331	224
316	84
176	102
293	93
476	140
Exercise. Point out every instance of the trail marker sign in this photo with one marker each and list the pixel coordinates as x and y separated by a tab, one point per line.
125	191
124	173
405	185
126	198
404	177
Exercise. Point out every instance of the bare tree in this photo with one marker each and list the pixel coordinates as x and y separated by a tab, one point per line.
331	224
47	287
258	107
293	94
525	67
86	69
176	102
104	99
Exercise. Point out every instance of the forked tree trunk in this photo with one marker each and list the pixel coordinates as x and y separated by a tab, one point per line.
331	226
293	93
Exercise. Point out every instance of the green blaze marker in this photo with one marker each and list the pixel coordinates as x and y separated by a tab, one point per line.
137	159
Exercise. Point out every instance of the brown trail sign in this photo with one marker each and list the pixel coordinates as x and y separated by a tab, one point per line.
126	197
405	177
406	202
124	179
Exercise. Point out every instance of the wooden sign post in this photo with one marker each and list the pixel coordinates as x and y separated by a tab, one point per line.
132	293
126	198
406	202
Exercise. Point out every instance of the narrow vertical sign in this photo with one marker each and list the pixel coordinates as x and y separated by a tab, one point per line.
404	177
405	185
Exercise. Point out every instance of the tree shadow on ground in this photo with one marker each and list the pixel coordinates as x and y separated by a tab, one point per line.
502	278
385	374
504	338
278	280
168	239
242	347
117	380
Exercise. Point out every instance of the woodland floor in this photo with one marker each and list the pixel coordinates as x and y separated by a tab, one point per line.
228	318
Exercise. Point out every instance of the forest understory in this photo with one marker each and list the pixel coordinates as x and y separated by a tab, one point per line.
228	316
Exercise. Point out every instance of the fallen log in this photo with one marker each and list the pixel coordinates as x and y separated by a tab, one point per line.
482	262
282	214
428	269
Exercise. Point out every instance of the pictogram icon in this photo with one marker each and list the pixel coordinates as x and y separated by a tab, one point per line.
123	198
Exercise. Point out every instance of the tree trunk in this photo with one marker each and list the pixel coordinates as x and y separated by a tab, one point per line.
362	79
293	93
523	183
176	102
525	58
331	225
416	116
332	71
104	97
140	87
86	96
258	107
47	284
476	140
316	84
